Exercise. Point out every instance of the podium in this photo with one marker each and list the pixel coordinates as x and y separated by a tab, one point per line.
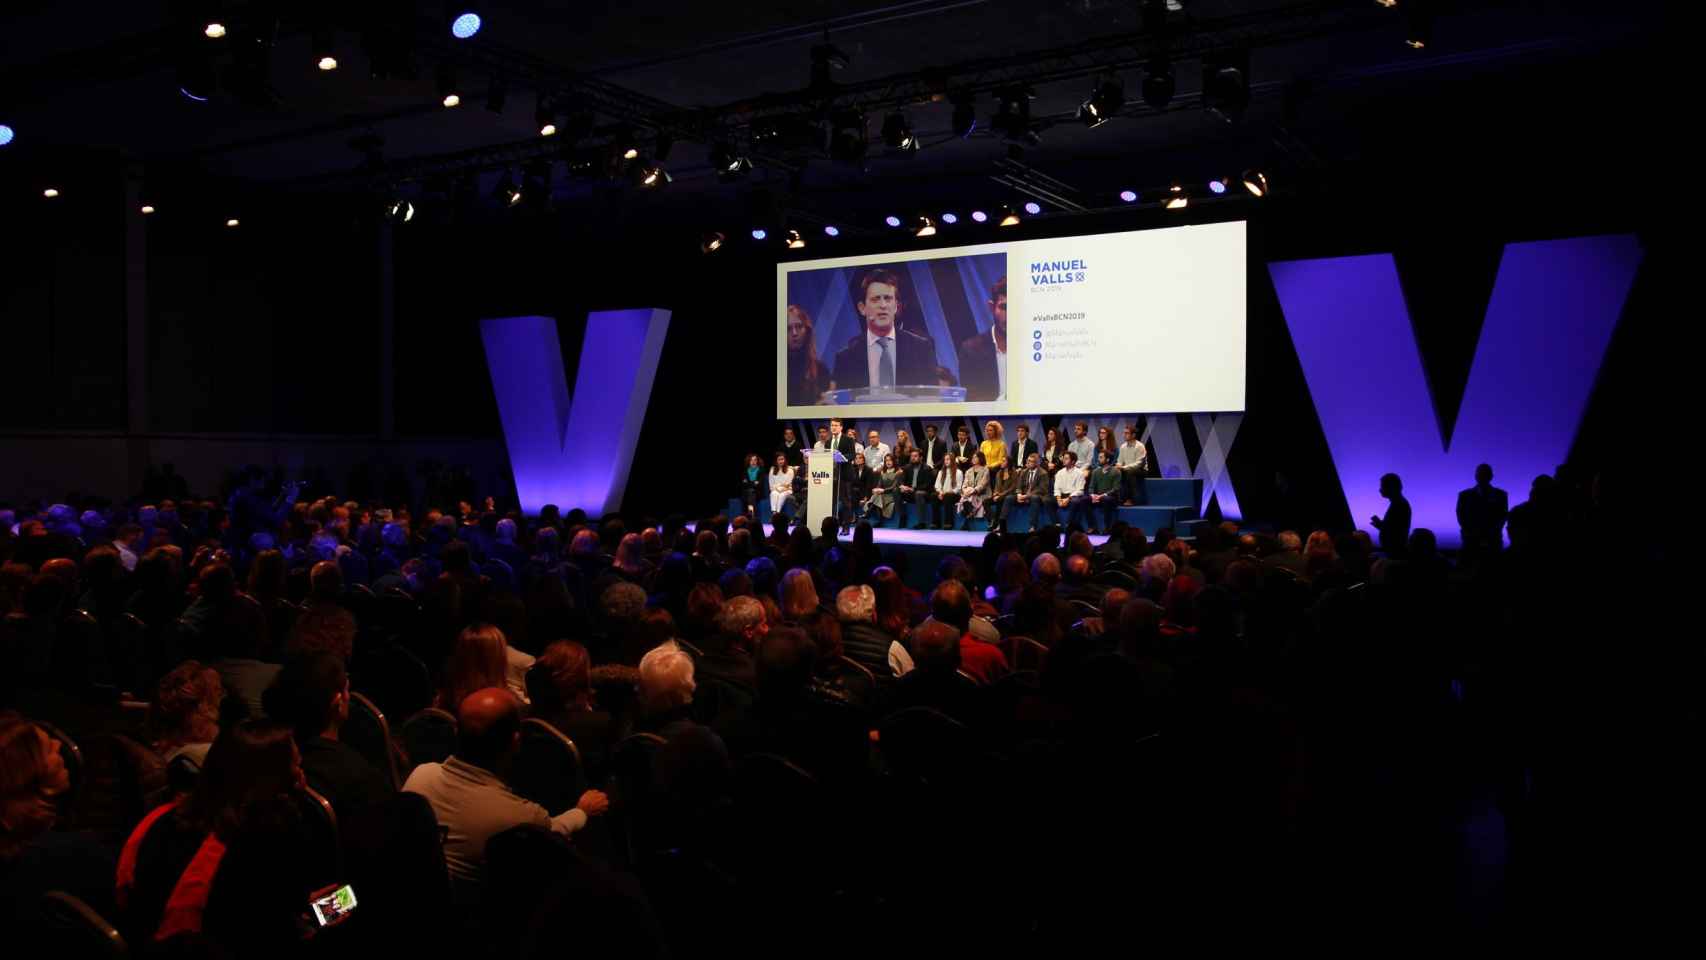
921	393
822	497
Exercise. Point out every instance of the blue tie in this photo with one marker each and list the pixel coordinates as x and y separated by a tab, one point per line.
885	365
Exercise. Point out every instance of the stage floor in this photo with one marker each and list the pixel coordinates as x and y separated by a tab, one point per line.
942	538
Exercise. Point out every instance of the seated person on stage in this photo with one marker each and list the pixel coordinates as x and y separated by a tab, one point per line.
917	487
1133	461
884	354
875	450
1069	490
1002	483
1031	490
949	479
751	483
1082	445
1104	494
882	503
860	481
781	483
974	490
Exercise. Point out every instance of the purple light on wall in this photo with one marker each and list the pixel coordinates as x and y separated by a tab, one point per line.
1552	312
619	358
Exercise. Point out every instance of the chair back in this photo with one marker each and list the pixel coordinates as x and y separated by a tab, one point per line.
72	755
547	768
1085	608
1024	653
1006	623
429	736
853	666
631	780
1115	577
367	733
73	928
323	855
392	677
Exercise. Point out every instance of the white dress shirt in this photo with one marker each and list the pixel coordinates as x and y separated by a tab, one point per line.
1069	481
473	805
874	455
874	355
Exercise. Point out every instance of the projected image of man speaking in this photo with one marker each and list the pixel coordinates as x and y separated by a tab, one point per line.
884	354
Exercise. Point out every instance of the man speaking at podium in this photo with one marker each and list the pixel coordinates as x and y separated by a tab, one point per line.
884	354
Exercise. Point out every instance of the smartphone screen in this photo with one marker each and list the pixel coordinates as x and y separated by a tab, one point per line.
334	906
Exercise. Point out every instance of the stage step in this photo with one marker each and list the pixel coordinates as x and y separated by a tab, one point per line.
1173	492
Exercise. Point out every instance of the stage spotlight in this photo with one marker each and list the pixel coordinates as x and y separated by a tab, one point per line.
400	211
897	133
545	118
1009	217
924	227
1033	208
760	233
832	231
1226	84
1388	4
452	100
1105	101
465	25
50	192
1418	26
950	218
147	209
447	92
979	216
6	134
507	192
729	164
892	220
1217	186
328	63
654	175
233	222
1158	84
1129	196
712	242
214	30
795	241
848	139
1256	182
1013	116
965	115
1177	199
632	153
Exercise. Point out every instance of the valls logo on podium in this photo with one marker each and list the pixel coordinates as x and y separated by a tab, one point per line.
821	477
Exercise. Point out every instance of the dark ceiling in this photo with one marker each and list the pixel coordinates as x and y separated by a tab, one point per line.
1335	91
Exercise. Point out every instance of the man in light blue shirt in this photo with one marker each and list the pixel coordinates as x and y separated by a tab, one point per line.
1082	445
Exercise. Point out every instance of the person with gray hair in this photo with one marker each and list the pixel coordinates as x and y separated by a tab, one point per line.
1290	553
1154	574
862	641
666	683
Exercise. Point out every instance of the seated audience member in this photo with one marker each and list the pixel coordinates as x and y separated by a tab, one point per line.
184	717
323	628
1153	575
34	858
311	694
230	628
1104	494
950	605
796	716
479	658
863	640
560	688
231	862
470	798
1077	582
797	596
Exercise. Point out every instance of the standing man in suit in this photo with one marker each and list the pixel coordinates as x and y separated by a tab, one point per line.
842	442
917	483
884	354
983	358
934	448
1395	526
1481	513
1022	448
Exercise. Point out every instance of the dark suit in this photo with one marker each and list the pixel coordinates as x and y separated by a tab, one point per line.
922	480
796	454
914	360
1021	450
962	451
1395	527
934	451
1038	489
1481	513
979	372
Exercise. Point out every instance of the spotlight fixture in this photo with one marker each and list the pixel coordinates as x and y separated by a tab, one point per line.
924	227
400	211
1106	100
950	218
447	92
832	231
1129	196
892	220
1013	116
729	164
465	24
1388	4
1177	199
632	153
654	175
712	242
1158	84
1217	186
965	115
233	222
1418	26
1009	217
1226	84
848	139
6	134
147	209
50	192
328	63
214	30
452	100
507	192
979	216
795	241
897	133
759	233
1033	208
545	117
548	130
1256	182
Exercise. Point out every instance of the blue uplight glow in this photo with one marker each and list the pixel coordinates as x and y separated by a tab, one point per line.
1217	186
950	218
979	216
760	234
892	220
1128	196
465	26
832	230
6	134
1033	208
